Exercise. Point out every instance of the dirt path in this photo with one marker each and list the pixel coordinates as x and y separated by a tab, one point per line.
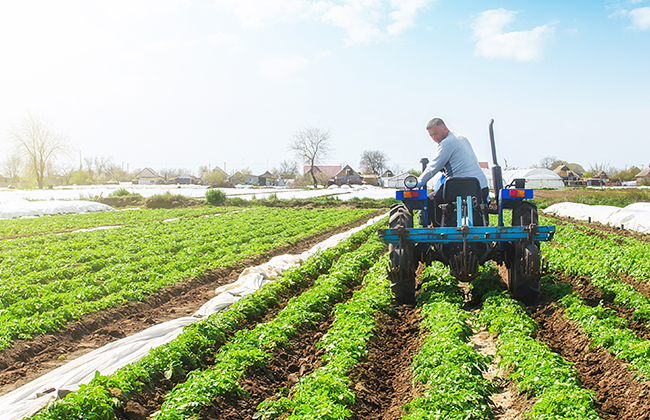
28	360
508	403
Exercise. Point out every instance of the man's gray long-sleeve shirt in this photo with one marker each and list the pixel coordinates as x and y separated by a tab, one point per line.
454	157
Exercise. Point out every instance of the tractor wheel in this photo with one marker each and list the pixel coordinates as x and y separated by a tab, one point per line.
524	272
402	265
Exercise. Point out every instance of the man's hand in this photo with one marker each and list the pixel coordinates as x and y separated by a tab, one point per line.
420	184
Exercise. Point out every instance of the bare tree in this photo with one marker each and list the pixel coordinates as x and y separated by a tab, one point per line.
288	167
38	144
548	162
311	145
373	161
13	165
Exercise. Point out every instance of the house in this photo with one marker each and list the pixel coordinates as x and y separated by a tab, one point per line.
237	178
371	179
330	171
251	179
385	176
643	177
285	180
148	176
566	174
267	179
186	179
347	176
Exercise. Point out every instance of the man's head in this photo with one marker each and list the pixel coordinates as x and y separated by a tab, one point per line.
437	129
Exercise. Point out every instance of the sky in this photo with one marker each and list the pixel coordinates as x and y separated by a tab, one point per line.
189	83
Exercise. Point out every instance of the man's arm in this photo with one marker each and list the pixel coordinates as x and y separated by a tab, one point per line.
439	161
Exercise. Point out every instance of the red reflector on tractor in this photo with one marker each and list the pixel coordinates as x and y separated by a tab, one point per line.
517	193
411	194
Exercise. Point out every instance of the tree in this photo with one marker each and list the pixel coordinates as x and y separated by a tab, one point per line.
288	167
38	144
311	145
12	165
373	161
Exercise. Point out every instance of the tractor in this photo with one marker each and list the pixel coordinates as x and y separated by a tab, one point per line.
465	240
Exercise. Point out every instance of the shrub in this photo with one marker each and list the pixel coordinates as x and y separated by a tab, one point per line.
215	197
167	201
123	192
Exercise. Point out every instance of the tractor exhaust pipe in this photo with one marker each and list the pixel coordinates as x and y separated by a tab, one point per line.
497	176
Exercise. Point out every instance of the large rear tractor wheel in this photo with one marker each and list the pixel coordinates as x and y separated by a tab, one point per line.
402	264
525	270
524	274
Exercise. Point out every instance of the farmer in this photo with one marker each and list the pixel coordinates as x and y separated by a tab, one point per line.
454	157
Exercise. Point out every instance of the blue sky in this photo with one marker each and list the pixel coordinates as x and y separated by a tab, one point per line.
173	83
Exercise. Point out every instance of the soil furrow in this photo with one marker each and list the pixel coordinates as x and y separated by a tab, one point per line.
617	394
27	360
290	362
383	383
593	297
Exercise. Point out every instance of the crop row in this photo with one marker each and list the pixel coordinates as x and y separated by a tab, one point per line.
603	257
450	370
48	281
325	393
606	330
533	367
197	343
63	222
249	348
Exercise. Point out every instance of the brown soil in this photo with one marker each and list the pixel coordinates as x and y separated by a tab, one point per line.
617	394
593	297
383	383
28	360
290	362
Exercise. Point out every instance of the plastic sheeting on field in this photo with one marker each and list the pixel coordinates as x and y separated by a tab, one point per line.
18	207
34	396
633	217
535	177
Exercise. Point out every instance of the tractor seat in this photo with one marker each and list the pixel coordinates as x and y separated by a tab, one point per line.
463	186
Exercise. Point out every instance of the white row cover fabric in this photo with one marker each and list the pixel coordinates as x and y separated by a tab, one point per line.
633	217
535	177
34	396
18	207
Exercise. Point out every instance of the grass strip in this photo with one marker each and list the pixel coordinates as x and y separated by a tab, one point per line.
534	368
325	393
450	370
251	348
194	345
602	257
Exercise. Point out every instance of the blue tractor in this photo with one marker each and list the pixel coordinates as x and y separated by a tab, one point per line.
465	240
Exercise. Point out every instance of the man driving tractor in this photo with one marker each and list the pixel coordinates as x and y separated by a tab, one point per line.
454	158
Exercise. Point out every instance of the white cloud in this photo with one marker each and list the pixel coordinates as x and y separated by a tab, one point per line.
228	40
493	42
363	21
640	18
280	68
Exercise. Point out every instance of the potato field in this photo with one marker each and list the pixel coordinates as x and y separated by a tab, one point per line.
324	340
